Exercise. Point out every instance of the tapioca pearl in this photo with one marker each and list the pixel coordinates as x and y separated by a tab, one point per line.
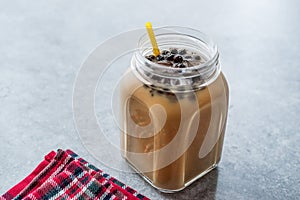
146	86
160	92
167	81
196	79
180	65
147	73
182	52
159	58
171	94
150	57
178	59
187	63
197	57
165	52
157	78
151	93
174	51
170	57
188	57
175	82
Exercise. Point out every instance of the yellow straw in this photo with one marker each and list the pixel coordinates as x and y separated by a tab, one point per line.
152	39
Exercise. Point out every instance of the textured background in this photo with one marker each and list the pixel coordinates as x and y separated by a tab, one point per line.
43	43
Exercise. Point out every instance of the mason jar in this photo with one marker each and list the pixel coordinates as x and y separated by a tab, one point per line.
173	117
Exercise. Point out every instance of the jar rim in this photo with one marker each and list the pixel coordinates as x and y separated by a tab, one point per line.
181	79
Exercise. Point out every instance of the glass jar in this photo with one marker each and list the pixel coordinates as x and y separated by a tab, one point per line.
173	119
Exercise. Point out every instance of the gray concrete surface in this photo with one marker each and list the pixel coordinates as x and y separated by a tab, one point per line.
43	43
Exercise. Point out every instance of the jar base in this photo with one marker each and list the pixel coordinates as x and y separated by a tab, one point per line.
172	190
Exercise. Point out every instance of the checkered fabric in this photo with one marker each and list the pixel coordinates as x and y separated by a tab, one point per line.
64	175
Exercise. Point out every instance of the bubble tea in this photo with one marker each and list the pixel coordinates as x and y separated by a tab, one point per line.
174	109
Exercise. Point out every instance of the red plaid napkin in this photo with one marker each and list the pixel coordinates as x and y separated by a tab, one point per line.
64	175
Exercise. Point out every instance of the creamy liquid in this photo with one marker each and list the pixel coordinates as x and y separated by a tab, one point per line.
138	99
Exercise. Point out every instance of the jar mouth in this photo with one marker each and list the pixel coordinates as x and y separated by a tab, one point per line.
193	39
178	37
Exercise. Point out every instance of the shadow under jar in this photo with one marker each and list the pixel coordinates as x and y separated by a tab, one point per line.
173	117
